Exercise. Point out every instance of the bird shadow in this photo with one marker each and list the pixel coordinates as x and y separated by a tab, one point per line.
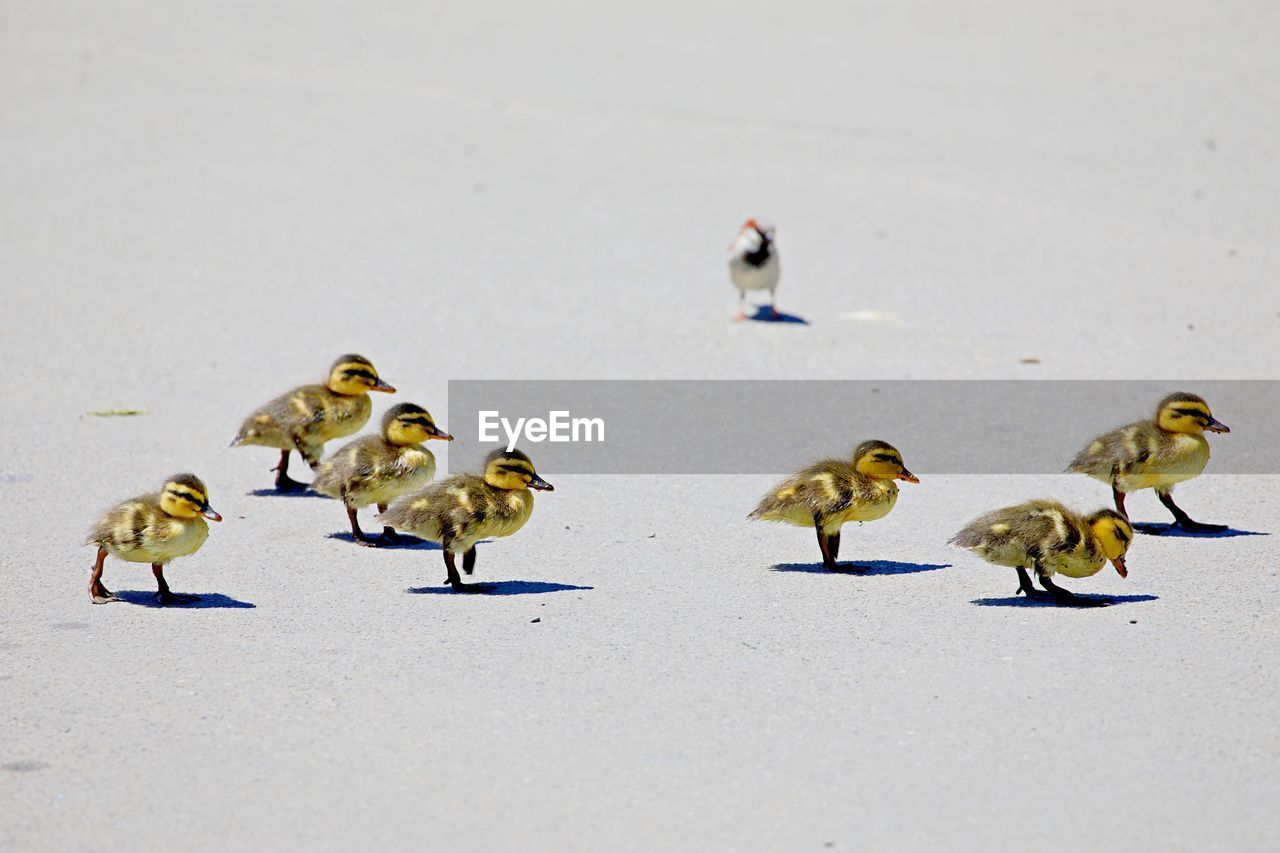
208	601
766	315
1022	601
871	567
504	588
406	543
1152	529
276	493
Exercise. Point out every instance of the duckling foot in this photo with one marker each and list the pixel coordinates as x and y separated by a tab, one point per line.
102	595
164	596
845	568
1070	599
390	537
1190	526
459	586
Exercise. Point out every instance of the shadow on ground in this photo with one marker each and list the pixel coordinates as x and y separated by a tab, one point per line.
1170	530
1023	601
208	600
276	493
503	588
869	567
765	315
406	543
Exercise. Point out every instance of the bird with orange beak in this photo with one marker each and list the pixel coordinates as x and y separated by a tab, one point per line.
827	494
754	265
1155	454
155	529
307	417
1049	538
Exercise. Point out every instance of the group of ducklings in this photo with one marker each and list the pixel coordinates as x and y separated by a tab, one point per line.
394	471
1039	535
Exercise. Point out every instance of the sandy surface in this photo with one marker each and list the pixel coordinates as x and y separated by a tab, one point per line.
201	207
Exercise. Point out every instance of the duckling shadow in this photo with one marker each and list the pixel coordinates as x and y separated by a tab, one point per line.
1021	601
208	601
405	543
871	567
504	588
1152	529
276	493
765	315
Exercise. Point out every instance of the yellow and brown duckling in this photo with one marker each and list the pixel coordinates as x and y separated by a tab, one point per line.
1155	454
1049	538
377	469
827	494
155	529
307	417
460	511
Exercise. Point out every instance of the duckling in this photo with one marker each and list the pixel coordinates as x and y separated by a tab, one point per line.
377	469
827	494
308	416
1046	536
754	265
460	511
155	529
1155	454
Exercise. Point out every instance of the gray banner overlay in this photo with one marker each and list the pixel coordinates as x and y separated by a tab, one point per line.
774	427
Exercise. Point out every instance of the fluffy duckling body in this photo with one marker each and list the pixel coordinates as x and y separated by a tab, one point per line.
754	264
828	494
377	469
1048	537
1155	454
155	529
460	511
308	416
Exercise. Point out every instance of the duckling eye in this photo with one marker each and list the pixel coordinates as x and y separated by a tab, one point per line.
890	460
360	373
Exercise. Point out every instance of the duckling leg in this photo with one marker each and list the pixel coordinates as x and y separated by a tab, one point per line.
164	596
1182	521
1119	498
98	593
830	546
285	483
742	306
389	535
1025	587
356	533
455	580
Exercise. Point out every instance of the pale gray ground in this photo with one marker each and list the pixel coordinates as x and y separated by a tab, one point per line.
201	204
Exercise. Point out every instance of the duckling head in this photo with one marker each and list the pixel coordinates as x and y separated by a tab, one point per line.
880	460
512	470
1114	533
354	374
186	496
1189	413
407	424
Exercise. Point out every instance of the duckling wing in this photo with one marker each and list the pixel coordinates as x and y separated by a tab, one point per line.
138	530
353	463
276	422
825	490
1018	535
1133	450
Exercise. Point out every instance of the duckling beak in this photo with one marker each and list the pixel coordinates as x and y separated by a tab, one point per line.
1118	562
908	476
541	484
379	385
208	513
439	434
1216	425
